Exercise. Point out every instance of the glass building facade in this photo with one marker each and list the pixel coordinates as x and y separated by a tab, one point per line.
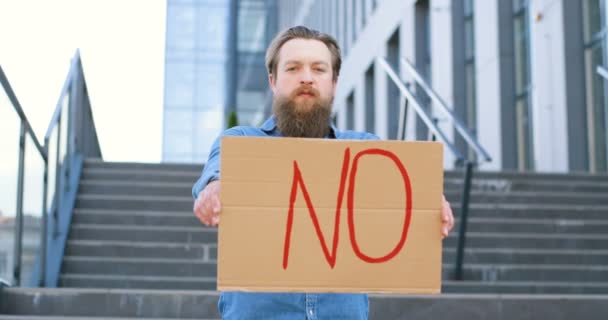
210	66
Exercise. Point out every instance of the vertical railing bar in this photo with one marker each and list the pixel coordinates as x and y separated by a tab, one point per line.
58	177
19	213
464	212
45	218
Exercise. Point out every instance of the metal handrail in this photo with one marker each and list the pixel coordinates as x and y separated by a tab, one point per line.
26	128
602	71
458	124
460	127
17	106
59	106
81	141
424	115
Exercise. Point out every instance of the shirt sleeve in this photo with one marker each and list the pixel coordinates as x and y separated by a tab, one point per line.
211	169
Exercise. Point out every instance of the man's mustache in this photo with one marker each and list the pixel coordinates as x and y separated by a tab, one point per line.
304	90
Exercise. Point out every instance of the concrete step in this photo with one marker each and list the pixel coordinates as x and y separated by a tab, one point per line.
167	250
128	202
133	217
529	256
536	197
530	176
137	282
138	266
135	188
504	185
100	164
533	211
529	241
141	175
194	235
203	305
488	306
71	302
524	287
542	226
556	221
531	272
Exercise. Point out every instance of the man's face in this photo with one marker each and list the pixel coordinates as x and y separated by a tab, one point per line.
303	88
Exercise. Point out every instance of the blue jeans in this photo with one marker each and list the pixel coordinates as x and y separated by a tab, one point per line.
292	306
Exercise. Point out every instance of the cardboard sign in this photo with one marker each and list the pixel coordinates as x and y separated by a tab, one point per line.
320	215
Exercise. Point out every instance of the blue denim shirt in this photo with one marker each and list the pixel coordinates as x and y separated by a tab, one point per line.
282	306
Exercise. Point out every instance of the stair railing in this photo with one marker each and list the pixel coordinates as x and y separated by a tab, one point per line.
411	98
70	136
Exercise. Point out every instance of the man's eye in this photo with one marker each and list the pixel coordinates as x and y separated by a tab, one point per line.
291	69
320	69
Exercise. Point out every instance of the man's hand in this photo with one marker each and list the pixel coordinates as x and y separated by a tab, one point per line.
207	206
447	218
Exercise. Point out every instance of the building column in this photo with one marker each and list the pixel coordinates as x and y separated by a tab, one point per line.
547	62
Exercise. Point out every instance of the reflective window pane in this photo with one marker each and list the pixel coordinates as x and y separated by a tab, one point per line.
210	86
178	120
252	29
179	82
177	143
596	109
181	24
592	21
212	27
524	134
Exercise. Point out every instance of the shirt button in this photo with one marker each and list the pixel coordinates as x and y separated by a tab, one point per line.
310	312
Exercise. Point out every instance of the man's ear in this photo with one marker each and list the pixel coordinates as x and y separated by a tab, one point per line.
272	81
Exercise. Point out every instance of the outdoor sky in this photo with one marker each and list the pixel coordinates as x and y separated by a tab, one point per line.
122	48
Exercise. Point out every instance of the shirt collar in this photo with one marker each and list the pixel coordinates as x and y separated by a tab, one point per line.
270	125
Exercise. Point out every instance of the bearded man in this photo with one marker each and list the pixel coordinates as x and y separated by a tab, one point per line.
303	67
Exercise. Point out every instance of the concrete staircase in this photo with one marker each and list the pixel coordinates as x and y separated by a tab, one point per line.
134	241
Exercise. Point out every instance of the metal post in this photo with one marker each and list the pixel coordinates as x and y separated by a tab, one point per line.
45	218
57	181
432	136
19	214
464	211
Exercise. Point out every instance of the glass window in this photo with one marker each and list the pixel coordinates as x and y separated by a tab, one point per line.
250	100
212	120
252	30
210	86
469	36
177	143
179	84
470	95
595	51
523	109
592	18
469	65
178	120
370	102
212	27
350	111
181	23
524	134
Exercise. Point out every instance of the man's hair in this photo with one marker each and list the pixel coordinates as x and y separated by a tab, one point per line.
301	32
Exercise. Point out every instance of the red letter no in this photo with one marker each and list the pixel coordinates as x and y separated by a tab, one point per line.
331	256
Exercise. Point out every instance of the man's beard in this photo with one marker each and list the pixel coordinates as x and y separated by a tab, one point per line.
308	118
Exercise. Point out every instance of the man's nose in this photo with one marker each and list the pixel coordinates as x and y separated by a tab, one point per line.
306	76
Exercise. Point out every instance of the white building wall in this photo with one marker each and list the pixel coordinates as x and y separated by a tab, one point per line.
442	68
370	43
547	62
487	60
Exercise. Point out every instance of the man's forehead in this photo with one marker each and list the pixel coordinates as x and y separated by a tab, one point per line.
301	50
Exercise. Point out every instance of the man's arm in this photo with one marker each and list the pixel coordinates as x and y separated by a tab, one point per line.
206	190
